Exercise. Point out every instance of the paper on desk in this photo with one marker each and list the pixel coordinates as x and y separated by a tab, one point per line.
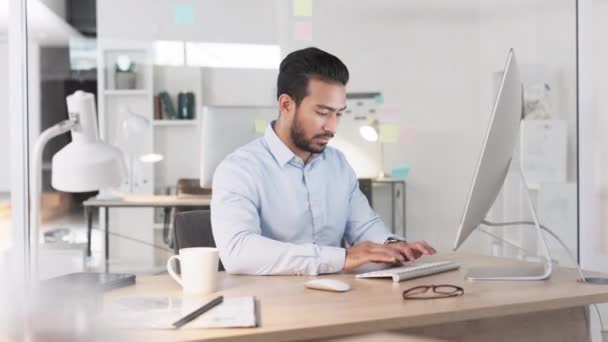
161	312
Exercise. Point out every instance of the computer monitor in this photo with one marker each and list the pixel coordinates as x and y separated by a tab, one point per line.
226	128
491	171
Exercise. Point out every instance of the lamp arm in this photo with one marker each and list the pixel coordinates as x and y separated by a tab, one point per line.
35	188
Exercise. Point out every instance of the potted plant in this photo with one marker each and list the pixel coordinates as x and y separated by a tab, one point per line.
124	73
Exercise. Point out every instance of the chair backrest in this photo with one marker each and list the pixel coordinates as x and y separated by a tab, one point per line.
190	186
193	229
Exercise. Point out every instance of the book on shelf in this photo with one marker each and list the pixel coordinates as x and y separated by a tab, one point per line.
158	110
167	107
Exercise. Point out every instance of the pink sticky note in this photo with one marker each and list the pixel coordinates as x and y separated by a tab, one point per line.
408	134
302	31
389	111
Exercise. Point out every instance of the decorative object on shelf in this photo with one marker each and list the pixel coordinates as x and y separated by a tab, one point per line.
185	105
544	151
537	101
85	164
130	139
124	73
167	108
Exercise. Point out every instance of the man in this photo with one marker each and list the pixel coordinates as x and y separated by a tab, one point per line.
284	203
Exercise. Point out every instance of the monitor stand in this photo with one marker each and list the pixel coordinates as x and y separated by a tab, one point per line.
534	271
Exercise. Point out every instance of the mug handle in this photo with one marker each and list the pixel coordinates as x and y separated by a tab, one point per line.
172	271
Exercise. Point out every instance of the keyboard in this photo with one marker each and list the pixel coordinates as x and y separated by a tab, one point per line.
413	271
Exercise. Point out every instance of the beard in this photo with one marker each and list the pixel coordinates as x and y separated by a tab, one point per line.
299	138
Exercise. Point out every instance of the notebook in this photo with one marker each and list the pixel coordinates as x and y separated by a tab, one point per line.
161	312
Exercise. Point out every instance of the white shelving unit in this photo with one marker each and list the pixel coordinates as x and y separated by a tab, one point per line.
121	92
194	122
114	105
171	138
177	140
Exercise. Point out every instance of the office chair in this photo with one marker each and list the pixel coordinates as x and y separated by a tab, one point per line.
186	187
193	229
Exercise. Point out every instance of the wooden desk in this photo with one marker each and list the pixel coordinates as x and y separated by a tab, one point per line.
552	310
166	202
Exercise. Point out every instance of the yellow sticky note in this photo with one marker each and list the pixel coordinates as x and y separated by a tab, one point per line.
260	126
389	133
302	8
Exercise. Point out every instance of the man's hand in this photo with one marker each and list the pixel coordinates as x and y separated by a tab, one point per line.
412	250
371	252
392	253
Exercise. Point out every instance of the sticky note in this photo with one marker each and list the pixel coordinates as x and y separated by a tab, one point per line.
260	126
407	134
302	31
389	111
184	15
302	8
379	99
400	171
389	133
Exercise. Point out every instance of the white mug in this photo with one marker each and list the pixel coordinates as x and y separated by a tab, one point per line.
199	269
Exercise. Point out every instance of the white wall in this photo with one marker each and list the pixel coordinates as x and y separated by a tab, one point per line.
237	21
5	170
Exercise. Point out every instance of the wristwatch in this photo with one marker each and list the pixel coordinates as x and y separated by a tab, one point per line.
393	239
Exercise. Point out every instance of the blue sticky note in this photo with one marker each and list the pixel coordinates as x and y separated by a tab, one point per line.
379	99
400	171
184	15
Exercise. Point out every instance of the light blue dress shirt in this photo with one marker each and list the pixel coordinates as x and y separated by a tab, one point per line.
273	214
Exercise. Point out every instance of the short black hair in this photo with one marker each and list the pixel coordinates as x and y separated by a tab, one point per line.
301	65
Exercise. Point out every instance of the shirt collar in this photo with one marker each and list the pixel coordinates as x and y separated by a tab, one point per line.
281	153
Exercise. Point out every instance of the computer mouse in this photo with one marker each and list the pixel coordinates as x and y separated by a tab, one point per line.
327	285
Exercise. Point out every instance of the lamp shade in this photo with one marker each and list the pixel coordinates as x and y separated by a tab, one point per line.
87	166
368	133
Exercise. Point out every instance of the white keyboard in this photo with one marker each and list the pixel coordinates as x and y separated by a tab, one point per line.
409	272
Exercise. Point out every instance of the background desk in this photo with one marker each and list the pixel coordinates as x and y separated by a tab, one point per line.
166	202
552	310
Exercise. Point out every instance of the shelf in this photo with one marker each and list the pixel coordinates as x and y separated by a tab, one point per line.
126	92
192	122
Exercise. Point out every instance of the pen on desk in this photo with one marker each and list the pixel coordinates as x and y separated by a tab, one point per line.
198	312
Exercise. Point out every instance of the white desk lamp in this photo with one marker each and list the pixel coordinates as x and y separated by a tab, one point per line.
132	131
85	164
370	131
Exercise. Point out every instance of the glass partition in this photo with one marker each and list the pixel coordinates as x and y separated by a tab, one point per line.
432	69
